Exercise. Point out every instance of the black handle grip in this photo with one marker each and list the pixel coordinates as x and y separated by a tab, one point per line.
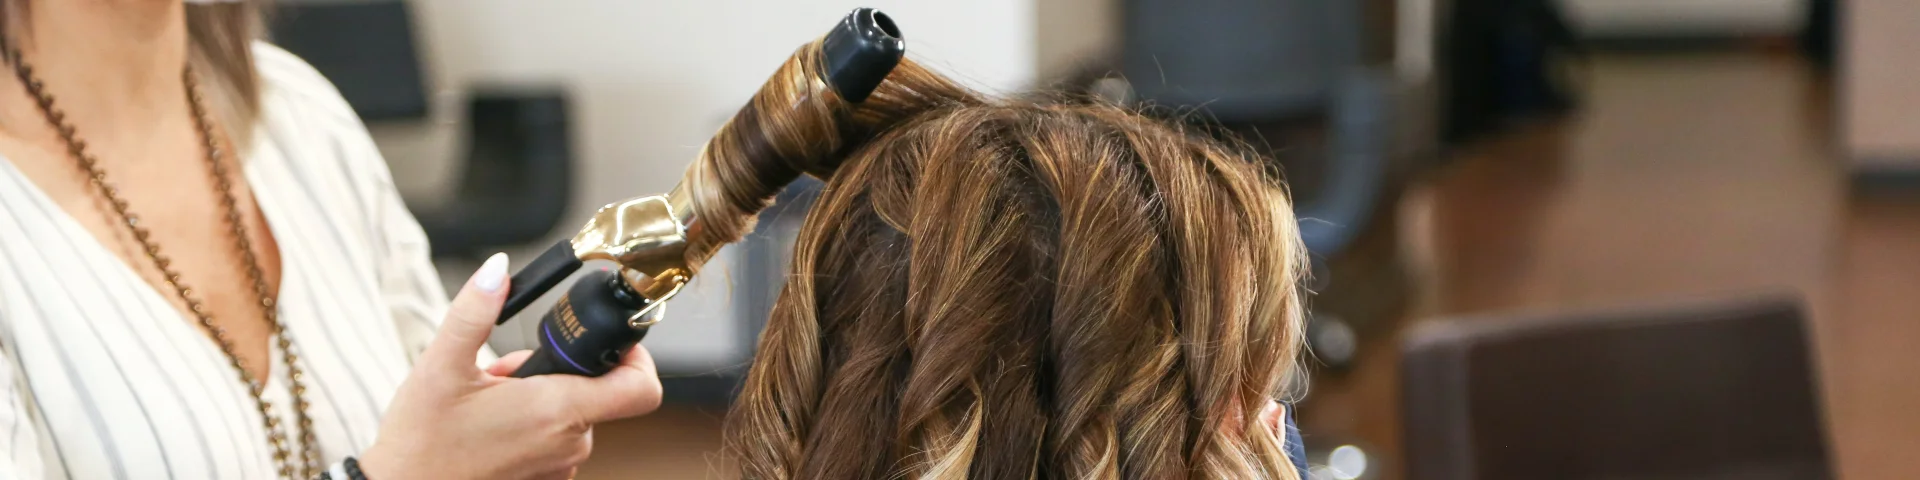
586	332
543	362
547	270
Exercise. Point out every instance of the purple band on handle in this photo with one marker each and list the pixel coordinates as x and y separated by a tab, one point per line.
548	335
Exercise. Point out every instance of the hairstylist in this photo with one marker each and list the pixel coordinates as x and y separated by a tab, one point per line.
206	272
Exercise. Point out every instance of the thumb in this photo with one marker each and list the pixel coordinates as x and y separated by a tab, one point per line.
470	318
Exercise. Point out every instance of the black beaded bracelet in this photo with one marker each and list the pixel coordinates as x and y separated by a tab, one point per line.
351	466
353	469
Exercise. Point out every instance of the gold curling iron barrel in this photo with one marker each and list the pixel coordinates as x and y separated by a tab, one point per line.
608	311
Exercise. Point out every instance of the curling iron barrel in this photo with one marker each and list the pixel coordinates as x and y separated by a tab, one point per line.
606	312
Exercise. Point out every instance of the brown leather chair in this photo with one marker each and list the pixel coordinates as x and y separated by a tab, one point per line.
1723	390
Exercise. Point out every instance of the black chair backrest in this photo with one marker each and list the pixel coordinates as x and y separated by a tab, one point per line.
1699	392
1242	59
366	48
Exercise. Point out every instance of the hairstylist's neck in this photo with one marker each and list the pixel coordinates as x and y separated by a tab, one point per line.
111	64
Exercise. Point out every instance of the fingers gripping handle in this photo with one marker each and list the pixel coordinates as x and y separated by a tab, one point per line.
546	271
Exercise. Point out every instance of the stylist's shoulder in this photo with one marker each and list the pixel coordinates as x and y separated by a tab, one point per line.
286	80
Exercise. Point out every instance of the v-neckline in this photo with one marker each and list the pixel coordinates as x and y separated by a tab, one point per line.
94	247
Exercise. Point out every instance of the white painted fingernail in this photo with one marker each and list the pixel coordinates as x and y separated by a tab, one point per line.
492	274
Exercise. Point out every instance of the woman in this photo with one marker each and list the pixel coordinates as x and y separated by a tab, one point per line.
205	272
1016	289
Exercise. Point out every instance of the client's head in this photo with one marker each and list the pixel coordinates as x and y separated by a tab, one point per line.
1025	289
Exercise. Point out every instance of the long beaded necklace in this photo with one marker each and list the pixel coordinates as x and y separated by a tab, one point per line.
309	461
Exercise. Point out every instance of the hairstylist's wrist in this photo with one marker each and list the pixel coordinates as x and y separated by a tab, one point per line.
382	462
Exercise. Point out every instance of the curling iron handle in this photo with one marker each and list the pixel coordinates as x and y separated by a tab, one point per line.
546	271
586	332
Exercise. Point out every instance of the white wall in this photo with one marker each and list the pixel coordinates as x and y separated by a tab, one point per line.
1072	34
1879	130
650	81
1685	17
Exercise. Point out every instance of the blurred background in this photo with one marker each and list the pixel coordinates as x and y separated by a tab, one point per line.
1583	239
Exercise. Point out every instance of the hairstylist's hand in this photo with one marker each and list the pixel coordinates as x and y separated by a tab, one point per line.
452	420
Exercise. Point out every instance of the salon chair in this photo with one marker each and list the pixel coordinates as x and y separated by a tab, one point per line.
517	176
1251	63
759	274
1721	390
1310	83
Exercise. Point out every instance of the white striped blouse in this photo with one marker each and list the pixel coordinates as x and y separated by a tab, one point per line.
103	378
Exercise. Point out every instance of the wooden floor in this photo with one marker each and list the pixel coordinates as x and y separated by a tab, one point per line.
1685	176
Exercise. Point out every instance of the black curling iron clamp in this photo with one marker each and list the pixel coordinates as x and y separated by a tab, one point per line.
605	313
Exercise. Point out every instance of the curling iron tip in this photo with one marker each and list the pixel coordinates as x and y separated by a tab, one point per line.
860	52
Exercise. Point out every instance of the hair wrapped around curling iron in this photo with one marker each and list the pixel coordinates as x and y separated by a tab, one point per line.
795	125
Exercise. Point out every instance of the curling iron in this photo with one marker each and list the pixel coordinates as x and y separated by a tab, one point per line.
606	312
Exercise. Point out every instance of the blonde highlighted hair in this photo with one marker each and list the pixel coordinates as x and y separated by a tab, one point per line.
219	47
1006	288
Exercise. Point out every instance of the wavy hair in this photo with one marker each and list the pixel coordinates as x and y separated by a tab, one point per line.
1005	288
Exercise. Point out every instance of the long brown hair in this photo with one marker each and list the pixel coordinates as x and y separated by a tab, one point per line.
1005	288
